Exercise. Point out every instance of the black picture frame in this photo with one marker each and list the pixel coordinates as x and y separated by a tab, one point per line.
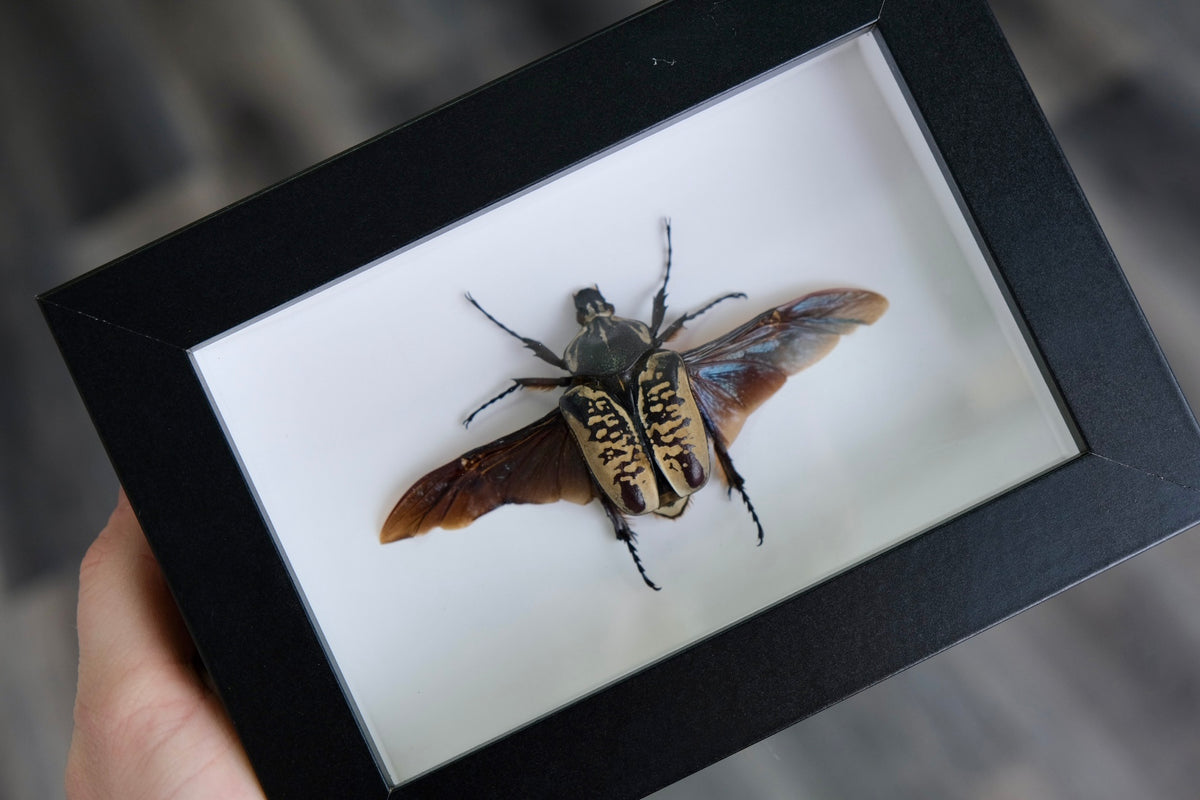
126	329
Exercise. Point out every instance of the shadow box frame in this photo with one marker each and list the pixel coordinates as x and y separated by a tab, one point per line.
127	331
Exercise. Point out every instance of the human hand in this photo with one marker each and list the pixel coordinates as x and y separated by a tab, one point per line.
146	725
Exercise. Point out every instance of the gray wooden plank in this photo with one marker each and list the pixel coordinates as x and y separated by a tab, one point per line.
37	687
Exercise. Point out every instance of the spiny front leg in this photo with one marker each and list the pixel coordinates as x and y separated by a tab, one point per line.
540	350
735	481
626	535
529	383
676	326
660	299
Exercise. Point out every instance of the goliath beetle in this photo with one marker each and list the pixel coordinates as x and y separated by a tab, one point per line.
639	425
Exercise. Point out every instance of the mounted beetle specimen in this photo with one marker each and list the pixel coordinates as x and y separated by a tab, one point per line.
639	426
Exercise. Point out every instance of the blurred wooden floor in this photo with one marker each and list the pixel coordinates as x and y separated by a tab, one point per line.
124	119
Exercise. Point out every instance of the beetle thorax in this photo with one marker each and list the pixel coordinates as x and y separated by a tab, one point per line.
607	345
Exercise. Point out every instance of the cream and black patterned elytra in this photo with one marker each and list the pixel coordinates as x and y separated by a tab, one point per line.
639	426
673	424
608	438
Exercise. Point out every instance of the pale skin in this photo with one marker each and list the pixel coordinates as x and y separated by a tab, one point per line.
147	727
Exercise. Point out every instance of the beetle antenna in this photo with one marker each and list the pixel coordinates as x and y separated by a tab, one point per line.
660	299
540	350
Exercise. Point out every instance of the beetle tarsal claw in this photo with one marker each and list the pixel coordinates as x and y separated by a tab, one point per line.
753	513
628	536
637	561
516	385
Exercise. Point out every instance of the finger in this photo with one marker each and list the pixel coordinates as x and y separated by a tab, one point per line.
128	622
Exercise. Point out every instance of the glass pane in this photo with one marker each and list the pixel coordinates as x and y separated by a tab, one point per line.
816	177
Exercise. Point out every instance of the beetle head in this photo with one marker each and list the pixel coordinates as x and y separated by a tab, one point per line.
589	304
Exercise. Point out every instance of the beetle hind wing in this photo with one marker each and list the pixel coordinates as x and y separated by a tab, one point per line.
539	463
734	374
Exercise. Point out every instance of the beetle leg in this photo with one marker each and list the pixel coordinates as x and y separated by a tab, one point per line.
735	481
540	350
660	299
676	326
626	535
530	383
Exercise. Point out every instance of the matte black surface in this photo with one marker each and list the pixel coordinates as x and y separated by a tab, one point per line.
123	331
1039	229
412	182
833	640
220	560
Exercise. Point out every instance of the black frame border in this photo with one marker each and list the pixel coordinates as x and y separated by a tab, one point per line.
126	328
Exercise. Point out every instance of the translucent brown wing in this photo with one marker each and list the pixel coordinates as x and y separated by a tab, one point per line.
733	375
539	463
